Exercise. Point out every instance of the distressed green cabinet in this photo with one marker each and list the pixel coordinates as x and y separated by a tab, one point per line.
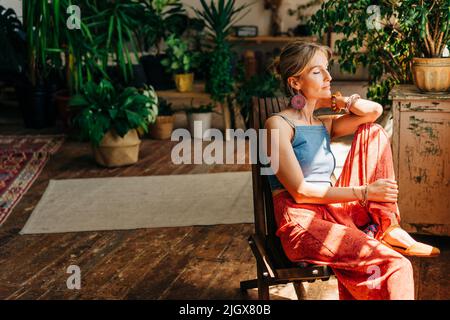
421	152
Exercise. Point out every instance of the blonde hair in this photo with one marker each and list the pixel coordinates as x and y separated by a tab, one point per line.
293	59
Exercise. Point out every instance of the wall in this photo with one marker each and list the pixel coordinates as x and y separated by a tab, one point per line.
259	16
14	4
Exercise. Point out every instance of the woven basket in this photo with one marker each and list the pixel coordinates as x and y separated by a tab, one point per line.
115	151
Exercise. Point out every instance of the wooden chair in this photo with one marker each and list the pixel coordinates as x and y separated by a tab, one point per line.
273	267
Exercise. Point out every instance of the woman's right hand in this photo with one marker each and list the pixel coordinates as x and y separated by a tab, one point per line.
383	190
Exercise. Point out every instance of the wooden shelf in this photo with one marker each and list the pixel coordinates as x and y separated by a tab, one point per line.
197	93
182	100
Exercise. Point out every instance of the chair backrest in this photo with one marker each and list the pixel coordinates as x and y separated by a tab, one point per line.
265	225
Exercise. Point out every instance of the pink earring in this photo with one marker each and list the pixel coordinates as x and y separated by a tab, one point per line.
298	101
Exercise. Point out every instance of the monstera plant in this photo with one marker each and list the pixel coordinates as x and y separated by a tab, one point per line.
109	117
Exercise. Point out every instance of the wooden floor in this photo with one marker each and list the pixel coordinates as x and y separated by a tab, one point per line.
165	263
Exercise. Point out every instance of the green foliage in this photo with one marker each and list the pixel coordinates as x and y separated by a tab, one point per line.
43	34
219	19
114	23
204	108
106	33
427	23
391	47
179	58
265	85
164	108
220	76
101	107
150	92
158	19
83	52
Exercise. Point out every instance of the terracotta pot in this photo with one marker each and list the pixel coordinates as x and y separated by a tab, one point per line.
115	151
162	128
432	74
184	82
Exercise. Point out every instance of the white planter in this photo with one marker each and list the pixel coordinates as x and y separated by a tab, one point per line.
198	129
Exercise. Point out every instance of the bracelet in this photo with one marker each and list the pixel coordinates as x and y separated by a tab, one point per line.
362	202
351	101
334	101
366	194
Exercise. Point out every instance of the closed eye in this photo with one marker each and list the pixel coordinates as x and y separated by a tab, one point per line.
318	72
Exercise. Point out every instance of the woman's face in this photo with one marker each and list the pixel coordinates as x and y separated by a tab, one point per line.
314	82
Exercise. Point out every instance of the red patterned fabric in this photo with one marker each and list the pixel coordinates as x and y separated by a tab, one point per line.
21	160
332	235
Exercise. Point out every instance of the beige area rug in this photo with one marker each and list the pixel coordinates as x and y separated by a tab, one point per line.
143	202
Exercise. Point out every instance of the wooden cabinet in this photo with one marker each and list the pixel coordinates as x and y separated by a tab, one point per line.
421	151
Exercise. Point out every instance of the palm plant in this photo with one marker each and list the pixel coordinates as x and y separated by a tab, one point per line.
113	24
80	48
219	19
48	39
42	29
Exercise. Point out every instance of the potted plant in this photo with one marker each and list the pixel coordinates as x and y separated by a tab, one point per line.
158	19
386	46
219	19
427	23
37	93
109	118
203	114
105	35
180	62
162	128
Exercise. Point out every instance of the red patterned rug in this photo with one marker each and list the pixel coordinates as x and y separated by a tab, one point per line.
22	158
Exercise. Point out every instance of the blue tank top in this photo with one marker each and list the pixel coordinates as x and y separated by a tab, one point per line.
312	149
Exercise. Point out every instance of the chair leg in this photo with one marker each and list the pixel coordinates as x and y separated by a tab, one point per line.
299	290
263	285
249	284
260	284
